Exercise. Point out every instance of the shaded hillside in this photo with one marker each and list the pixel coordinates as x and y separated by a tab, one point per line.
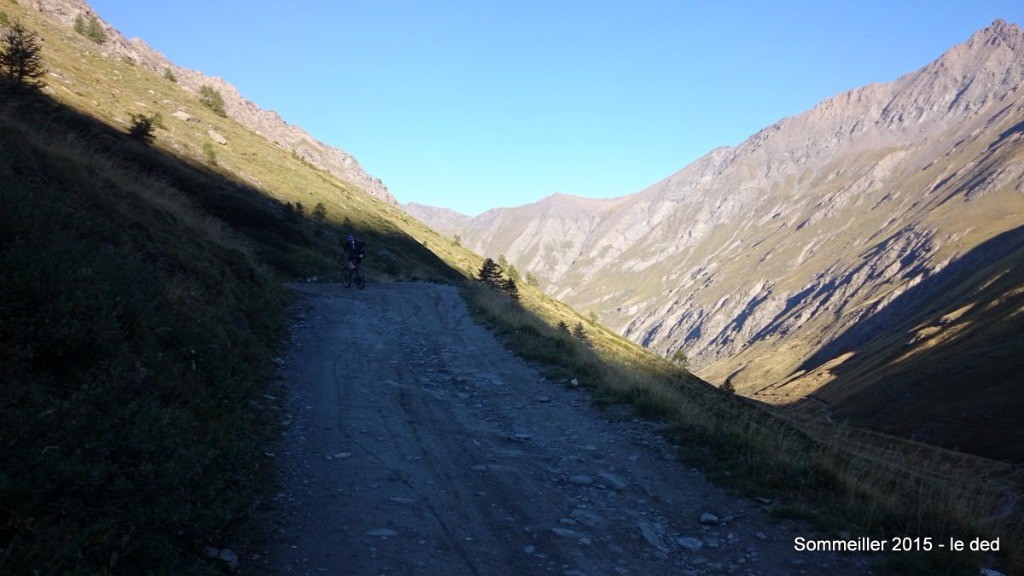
754	258
141	308
964	324
139	317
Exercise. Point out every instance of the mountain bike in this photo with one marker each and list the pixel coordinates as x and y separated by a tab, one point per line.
353	274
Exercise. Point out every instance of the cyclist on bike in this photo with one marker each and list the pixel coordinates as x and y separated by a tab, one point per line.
354	251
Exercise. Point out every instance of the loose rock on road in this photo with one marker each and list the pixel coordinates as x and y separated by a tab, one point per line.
417	444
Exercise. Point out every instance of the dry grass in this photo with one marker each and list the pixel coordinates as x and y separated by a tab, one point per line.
840	477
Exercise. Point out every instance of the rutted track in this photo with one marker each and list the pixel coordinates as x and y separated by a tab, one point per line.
416	444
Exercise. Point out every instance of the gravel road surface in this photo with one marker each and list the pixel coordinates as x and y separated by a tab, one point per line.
416	444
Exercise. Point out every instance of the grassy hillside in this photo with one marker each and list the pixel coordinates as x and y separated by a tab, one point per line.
140	308
841	478
141	305
962	325
135	330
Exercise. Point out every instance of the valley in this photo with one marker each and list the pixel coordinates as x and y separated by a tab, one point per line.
184	388
862	227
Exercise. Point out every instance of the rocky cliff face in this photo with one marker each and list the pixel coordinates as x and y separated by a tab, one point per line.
757	260
266	123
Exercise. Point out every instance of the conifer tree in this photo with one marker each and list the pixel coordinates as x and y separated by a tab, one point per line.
20	57
580	333
563	328
509	287
490	273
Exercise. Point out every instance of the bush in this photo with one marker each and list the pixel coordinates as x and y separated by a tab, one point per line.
563	329
320	211
90	28
170	75
580	333
209	154
211	98
680	359
509	287
142	128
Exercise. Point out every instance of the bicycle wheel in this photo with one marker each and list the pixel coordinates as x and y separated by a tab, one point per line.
346	278
360	280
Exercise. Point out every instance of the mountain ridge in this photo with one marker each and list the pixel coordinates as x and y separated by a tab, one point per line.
753	258
266	123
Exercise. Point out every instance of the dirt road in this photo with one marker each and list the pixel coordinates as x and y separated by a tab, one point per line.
416	444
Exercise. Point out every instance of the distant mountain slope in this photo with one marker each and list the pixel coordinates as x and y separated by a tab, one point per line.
264	122
443	220
765	261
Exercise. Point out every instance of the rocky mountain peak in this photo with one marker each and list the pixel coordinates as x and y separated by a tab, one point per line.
960	84
266	123
1001	31
969	76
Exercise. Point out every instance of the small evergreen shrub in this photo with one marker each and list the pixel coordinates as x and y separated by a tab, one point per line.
508	286
90	28
142	128
209	154
211	98
680	359
580	333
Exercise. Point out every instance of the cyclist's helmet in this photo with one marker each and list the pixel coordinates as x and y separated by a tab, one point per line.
351	238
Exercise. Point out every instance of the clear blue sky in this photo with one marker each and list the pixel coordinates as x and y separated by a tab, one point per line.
476	104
